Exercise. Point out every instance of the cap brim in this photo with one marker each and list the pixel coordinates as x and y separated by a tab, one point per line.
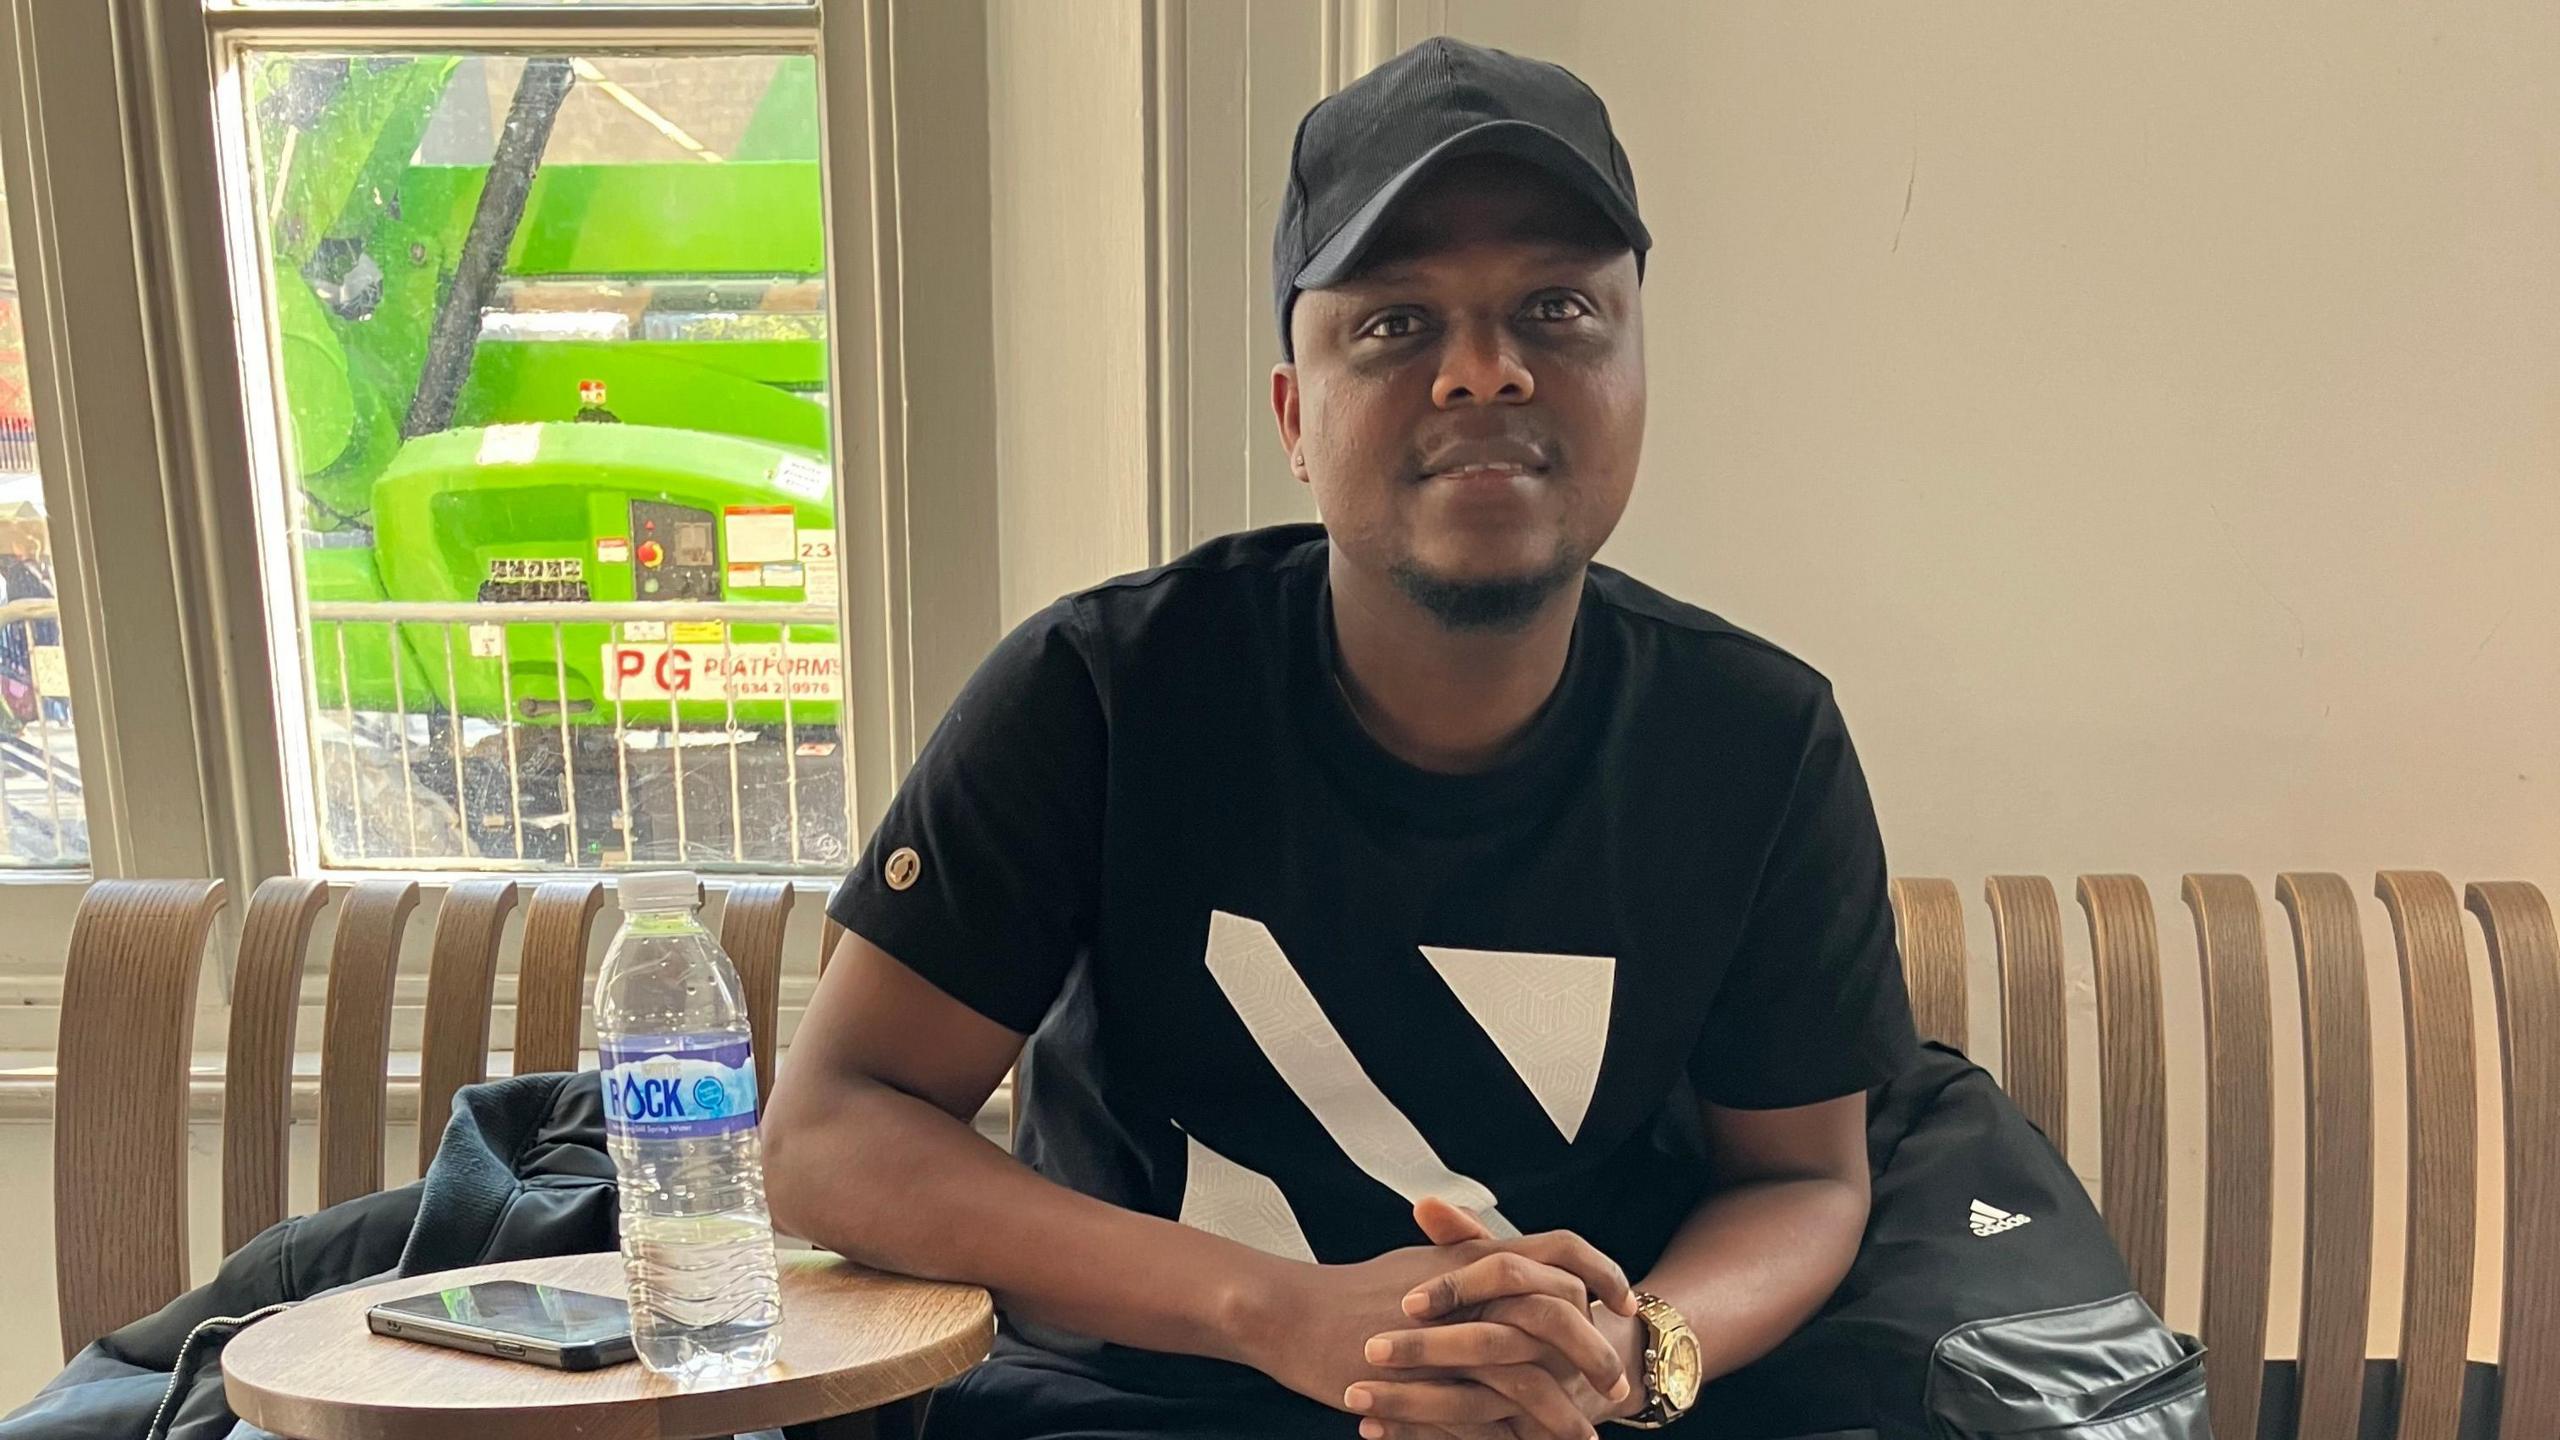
1340	255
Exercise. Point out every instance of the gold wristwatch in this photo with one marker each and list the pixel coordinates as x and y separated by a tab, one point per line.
1671	1364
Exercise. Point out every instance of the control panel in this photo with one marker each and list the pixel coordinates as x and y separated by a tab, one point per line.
675	554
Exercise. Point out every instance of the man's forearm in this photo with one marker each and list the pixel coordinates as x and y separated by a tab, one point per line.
1754	1262
894	1182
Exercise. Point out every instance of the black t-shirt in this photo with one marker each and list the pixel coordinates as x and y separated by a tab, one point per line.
1283	983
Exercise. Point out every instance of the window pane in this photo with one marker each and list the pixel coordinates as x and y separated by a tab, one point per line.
42	824
550	353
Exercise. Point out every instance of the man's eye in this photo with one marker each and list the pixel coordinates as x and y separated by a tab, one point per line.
1397	326
1558	308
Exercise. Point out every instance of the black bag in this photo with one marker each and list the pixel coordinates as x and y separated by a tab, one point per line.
1987	1300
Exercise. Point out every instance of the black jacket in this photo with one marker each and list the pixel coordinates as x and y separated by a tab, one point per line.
522	1172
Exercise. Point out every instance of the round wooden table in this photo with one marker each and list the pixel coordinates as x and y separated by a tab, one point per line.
853	1340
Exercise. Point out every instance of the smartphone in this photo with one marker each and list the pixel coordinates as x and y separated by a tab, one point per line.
514	1320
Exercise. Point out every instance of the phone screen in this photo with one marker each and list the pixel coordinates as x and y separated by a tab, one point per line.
541	1312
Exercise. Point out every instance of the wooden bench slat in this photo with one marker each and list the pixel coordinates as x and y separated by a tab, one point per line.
1928	928
752	927
355	1039
2026	929
551	974
120	1103
462	977
2444	1161
2124	949
2524	965
2337	1222
257	1083
2239	1145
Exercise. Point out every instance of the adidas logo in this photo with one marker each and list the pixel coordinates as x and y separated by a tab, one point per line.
1990	1220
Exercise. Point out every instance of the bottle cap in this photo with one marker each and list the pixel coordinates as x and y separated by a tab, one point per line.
658	890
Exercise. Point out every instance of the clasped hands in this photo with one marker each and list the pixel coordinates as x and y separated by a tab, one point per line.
1527	1339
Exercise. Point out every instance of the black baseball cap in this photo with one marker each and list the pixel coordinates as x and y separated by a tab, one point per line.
1367	145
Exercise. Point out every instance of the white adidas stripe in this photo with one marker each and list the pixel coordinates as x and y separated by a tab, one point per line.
1989	1220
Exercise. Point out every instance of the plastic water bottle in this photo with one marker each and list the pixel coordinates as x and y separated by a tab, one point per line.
680	1118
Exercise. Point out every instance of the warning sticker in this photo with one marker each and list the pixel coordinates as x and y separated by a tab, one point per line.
488	642
514	569
745	576
765	670
759	535
699	632
613	550
644	630
52	676
782	577
818	559
807	479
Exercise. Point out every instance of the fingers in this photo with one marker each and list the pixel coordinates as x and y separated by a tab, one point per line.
1518	1331
1581	1259
1444	1403
1543	1401
1565	1328
1521	1393
1445	1223
1456	1347
1374	1429
1504	1273
1514	1269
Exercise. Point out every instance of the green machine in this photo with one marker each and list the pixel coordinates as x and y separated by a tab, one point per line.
461	436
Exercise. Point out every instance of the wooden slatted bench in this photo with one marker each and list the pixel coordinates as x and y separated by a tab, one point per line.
136	949
128	1014
2331	1387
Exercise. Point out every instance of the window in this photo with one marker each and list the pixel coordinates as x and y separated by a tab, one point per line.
43	824
543	447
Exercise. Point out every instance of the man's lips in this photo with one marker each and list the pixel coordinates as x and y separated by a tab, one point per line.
1486	462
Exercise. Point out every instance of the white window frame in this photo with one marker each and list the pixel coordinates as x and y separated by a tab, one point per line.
108	147
867	614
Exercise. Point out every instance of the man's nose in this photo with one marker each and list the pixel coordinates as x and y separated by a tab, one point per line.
1479	365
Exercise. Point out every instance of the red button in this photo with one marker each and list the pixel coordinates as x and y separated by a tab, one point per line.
652	553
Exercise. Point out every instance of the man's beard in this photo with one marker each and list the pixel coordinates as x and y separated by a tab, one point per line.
1486	605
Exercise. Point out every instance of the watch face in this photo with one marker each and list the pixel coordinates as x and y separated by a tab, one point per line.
1680	1368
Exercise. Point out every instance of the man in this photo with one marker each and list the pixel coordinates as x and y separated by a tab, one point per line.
1418	928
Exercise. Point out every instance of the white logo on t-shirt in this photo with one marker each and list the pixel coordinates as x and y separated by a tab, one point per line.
1547	1014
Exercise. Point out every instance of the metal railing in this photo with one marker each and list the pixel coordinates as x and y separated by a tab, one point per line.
44	824
580	736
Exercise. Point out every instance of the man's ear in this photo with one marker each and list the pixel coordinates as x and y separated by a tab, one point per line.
1284	408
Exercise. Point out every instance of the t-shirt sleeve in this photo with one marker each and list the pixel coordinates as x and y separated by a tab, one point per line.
983	876
1813	1006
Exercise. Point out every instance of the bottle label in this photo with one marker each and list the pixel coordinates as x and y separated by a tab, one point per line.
678	1087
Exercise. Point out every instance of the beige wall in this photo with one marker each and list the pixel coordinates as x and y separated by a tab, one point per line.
2151	418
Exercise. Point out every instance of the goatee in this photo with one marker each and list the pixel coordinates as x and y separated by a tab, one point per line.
1499	605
